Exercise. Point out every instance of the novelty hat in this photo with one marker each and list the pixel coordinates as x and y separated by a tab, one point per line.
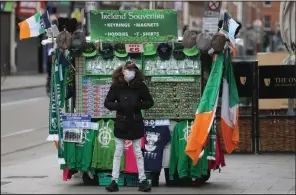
164	51
107	51
119	50
63	40
191	52
149	49
203	42
178	52
189	39
78	43
90	50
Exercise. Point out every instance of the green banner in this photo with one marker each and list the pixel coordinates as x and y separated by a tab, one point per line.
133	25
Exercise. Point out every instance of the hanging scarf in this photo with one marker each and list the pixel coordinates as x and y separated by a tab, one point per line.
53	118
212	143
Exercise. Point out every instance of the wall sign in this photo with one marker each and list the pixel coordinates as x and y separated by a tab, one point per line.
6	6
243	72
28	8
134	48
211	16
133	25
277	82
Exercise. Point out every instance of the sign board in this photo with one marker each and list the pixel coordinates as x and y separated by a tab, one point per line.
133	25
211	16
28	8
6	6
134	48
277	82
72	120
90	5
243	72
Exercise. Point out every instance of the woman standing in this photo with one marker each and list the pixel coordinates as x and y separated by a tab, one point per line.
128	95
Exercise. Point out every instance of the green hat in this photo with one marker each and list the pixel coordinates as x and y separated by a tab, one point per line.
191	52
119	50
107	51
149	49
178	52
90	50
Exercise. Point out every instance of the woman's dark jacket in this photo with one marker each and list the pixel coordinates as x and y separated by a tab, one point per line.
128	100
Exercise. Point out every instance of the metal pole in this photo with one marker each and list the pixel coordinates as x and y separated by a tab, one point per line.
152	5
244	22
13	68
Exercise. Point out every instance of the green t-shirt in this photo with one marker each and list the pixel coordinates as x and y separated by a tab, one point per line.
78	155
69	153
104	147
179	161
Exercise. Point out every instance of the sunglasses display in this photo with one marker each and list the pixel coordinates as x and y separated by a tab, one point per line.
100	66
156	66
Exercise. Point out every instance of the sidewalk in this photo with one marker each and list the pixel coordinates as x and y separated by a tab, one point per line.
22	82
243	174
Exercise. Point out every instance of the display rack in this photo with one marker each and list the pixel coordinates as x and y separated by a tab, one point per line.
174	84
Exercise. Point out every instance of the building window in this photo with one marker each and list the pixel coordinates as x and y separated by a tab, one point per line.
267	3
267	22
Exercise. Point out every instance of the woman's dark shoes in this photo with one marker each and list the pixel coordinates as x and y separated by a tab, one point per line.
144	186
112	187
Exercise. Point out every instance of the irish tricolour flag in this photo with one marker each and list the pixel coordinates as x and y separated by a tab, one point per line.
31	27
208	105
230	107
205	112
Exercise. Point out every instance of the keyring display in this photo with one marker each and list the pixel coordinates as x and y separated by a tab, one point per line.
174	99
94	92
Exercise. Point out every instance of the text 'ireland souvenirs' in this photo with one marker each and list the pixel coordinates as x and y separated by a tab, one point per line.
133	26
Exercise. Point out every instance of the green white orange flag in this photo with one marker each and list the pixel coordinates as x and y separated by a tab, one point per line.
230	107
31	27
205	112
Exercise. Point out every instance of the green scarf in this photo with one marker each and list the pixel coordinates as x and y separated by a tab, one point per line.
53	117
212	144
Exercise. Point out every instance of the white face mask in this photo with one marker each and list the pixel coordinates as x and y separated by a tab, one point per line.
129	75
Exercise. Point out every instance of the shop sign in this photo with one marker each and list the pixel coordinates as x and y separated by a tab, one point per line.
6	6
134	48
133	25
28	8
243	72
277	82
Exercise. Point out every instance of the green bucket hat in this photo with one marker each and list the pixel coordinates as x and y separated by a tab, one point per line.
191	51
90	50
119	50
149	49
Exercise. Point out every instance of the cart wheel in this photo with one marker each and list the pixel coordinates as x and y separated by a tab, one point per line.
205	178
88	181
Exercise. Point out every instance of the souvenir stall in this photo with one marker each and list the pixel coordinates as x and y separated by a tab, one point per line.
82	74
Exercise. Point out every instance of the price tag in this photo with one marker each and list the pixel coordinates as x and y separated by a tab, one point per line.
134	48
154	123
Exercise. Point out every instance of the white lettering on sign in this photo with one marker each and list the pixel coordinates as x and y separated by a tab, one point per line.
28	4
131	16
134	48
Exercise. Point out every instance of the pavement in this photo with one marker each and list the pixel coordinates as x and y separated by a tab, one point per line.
29	163
244	174
22	82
